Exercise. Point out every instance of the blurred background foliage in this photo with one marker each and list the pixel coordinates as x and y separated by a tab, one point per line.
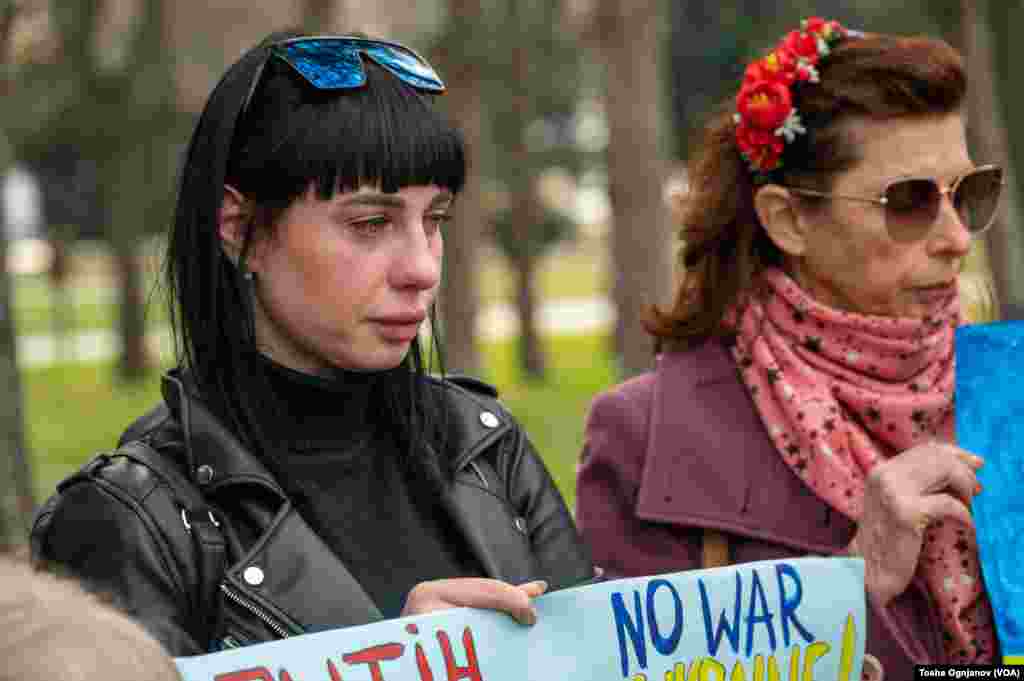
579	115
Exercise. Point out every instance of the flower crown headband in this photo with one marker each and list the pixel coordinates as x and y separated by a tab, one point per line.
766	119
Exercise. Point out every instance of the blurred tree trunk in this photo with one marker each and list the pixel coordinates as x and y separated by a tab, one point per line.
141	163
459	304
16	502
62	302
531	349
627	34
133	361
527	212
131	89
137	169
61	208
991	50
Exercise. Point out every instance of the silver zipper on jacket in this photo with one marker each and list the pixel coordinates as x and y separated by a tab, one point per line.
255	610
479	474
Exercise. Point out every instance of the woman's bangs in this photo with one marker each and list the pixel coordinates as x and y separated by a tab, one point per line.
386	136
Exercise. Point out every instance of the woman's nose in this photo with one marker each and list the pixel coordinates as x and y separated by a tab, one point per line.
950	234
419	263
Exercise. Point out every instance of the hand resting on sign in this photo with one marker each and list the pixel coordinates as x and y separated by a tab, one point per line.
472	592
902	497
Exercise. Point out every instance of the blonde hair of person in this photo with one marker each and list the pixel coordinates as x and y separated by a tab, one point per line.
978	301
52	629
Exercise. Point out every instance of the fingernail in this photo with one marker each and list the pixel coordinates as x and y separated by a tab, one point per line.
977	488
978	461
531	617
537	584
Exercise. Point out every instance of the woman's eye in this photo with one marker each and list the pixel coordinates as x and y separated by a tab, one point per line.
369	226
437	220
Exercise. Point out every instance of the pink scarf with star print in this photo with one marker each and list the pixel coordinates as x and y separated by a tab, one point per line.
838	392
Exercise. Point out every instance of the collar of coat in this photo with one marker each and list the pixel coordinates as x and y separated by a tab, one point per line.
476	420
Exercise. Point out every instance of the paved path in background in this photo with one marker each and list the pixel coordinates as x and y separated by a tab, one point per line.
568	315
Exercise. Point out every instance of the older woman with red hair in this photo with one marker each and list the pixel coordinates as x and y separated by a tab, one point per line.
803	403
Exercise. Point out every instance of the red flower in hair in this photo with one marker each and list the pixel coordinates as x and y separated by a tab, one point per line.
766	119
802	46
764	105
777	67
762	149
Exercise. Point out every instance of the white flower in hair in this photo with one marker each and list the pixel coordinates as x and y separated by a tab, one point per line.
811	70
791	127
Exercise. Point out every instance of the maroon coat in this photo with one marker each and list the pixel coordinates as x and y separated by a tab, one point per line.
682	448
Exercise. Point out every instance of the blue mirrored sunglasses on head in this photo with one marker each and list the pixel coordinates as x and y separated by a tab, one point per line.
336	63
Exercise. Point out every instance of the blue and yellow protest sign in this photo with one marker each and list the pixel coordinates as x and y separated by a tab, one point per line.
800	619
990	423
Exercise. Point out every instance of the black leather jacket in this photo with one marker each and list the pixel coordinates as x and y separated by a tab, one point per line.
280	578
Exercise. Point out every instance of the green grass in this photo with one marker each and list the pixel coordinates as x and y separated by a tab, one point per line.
74	411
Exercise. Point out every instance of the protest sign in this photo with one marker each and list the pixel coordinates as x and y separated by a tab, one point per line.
990	423
800	619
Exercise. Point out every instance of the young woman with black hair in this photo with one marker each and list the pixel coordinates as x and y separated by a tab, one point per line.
347	483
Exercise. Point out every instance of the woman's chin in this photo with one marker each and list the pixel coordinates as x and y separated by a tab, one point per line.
388	356
931	303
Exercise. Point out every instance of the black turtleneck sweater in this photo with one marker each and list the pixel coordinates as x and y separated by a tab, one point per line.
342	467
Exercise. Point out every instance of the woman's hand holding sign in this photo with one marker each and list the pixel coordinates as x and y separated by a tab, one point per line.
902	497
471	592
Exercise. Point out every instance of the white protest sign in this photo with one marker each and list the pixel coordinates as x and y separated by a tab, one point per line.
800	619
